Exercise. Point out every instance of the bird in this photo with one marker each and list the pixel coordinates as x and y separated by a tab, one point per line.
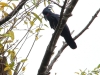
53	21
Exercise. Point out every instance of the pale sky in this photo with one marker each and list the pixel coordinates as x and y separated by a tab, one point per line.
87	54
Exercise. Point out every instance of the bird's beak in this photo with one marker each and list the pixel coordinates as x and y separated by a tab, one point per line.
45	17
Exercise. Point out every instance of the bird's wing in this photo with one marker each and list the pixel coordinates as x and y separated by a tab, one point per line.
56	16
55	19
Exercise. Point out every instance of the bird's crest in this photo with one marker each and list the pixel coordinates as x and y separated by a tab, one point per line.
47	9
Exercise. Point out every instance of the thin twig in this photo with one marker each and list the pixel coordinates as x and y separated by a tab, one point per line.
30	49
56	3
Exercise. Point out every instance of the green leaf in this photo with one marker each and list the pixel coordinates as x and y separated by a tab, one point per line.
44	2
25	22
11	34
38	29
34	2
45	25
98	66
12	65
49	2
23	60
77	73
58	1
95	72
1	48
37	17
31	23
12	55
1	28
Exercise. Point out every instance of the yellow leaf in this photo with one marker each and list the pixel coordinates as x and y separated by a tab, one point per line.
23	69
5	13
6	68
37	30
31	23
3	4
11	34
23	60
9	72
36	38
25	22
1	8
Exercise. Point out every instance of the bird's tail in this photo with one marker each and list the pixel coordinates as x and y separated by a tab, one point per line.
70	41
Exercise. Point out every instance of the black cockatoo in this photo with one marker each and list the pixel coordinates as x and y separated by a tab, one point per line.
53	20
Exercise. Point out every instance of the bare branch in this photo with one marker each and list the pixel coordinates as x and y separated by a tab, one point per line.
16	69
3	61
65	45
55	3
19	6
95	15
72	32
59	28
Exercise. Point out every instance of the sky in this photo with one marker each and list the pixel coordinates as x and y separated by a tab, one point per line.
86	55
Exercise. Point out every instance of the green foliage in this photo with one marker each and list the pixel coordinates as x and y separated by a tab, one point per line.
37	17
95	71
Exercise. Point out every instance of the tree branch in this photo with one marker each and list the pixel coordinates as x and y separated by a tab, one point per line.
65	45
19	6
56	3
59	28
16	69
